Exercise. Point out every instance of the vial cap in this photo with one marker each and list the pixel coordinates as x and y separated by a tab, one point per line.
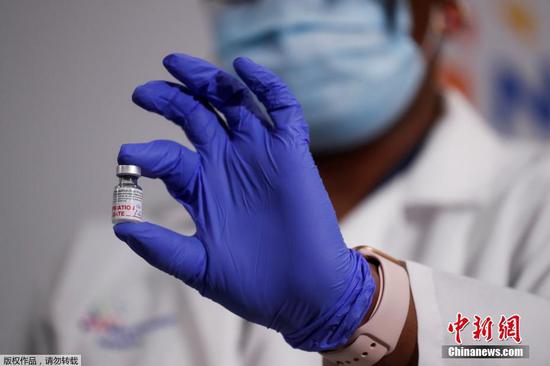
132	170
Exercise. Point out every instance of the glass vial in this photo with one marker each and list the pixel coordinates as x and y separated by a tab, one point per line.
127	196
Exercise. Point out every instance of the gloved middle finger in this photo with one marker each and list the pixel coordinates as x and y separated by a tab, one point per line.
229	95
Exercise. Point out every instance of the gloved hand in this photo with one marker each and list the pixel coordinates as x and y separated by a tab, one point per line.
267	245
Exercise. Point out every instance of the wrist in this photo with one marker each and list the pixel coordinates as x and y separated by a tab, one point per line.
376	278
334	327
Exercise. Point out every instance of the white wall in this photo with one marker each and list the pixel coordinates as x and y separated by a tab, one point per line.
67	70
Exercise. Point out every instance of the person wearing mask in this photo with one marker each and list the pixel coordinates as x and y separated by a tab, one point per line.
395	163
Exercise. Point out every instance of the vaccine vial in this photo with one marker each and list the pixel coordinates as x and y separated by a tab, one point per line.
127	196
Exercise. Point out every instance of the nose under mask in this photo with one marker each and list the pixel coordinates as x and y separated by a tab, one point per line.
353	73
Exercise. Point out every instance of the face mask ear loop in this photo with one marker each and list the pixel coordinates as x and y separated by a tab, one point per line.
444	20
435	35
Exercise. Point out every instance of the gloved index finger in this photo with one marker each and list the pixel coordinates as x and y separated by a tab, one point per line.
228	94
174	102
175	164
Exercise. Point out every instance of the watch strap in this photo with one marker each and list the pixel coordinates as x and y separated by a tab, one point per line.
380	334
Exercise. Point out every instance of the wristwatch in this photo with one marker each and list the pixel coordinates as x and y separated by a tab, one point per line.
380	334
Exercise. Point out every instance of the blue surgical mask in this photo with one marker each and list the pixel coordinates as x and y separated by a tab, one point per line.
352	71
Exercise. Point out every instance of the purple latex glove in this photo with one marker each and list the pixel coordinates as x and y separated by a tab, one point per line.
268	246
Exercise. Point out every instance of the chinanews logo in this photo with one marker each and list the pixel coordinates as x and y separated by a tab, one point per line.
107	324
484	330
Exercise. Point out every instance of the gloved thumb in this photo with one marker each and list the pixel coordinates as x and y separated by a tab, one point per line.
173	163
181	256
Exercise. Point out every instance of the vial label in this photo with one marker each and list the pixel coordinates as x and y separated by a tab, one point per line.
127	204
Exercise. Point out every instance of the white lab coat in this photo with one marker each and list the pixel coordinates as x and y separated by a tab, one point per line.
471	204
